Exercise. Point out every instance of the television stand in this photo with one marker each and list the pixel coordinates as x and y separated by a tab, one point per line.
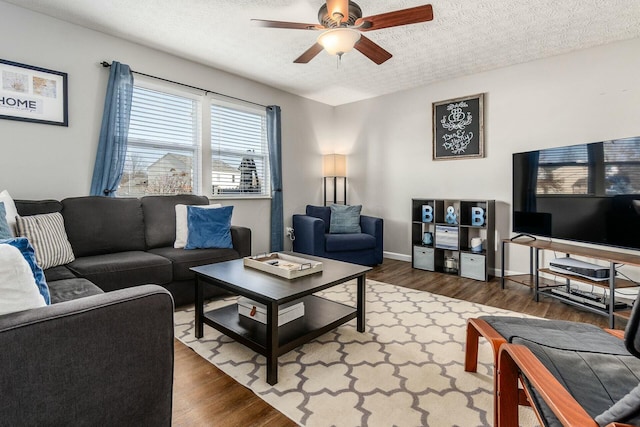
545	287
523	235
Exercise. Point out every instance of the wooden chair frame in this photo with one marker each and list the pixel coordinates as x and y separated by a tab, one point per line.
477	328
516	362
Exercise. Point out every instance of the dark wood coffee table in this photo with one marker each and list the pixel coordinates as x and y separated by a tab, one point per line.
320	314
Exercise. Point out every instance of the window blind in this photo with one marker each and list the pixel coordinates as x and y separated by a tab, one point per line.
162	152
239	153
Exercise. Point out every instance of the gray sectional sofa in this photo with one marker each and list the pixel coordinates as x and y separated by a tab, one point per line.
123	242
102	352
103	360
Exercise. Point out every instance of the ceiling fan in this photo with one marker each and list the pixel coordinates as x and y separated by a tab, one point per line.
342	24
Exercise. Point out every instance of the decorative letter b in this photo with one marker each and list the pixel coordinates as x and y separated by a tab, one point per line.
427	213
477	216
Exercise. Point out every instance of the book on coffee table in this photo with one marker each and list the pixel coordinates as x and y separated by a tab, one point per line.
258	312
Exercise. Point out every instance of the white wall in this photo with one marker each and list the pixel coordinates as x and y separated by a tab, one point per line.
585	96
579	97
42	161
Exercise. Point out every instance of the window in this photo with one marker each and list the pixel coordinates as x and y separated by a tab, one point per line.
174	149
239	155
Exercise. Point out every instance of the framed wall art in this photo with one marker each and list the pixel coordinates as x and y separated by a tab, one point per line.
458	128
33	94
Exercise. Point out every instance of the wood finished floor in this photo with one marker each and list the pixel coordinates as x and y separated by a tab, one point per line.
205	396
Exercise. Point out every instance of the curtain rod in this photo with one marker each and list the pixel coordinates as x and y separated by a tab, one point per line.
206	91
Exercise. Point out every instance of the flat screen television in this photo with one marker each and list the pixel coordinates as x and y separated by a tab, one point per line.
585	193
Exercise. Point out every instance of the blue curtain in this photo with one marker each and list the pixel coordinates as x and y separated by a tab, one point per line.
112	145
274	139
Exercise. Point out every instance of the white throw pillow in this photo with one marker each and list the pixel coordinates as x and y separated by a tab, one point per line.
10	208
182	227
18	289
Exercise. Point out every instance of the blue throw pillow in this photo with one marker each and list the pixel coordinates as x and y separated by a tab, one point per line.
345	219
29	255
209	228
5	231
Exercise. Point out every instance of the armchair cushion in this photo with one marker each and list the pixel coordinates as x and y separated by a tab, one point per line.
349	242
345	219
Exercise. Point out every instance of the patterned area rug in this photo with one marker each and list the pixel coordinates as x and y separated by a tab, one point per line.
407	369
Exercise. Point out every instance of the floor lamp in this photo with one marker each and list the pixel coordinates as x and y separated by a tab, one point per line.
334	167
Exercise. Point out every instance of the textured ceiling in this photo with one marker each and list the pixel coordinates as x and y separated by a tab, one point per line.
465	37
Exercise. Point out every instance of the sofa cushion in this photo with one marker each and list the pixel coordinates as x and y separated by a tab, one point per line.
102	225
60	272
47	234
183	260
182	223
160	217
27	252
69	289
209	228
345	219
18	290
349	242
123	269
322	212
37	207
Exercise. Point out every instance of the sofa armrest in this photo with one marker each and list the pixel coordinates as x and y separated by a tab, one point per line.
101	360
241	238
309	232
375	227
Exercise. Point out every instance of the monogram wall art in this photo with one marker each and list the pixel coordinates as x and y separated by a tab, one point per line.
458	128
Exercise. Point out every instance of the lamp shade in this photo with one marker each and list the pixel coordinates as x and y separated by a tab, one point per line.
334	165
339	40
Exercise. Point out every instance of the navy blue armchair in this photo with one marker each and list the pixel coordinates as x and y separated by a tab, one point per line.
312	237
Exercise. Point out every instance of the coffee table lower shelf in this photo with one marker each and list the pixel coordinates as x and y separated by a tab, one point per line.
320	316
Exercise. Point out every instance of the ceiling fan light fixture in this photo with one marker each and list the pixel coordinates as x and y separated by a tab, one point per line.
339	40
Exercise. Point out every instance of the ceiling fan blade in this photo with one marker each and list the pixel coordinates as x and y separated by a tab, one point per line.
309	54
338	6
372	50
396	18
287	25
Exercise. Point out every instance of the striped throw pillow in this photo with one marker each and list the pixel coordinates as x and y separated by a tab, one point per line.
48	237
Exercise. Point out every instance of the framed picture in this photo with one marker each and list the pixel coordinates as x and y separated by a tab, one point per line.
33	94
458	128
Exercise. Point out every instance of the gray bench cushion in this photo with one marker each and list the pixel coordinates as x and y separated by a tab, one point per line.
123	269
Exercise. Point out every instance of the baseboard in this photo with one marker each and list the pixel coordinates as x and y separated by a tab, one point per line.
396	256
